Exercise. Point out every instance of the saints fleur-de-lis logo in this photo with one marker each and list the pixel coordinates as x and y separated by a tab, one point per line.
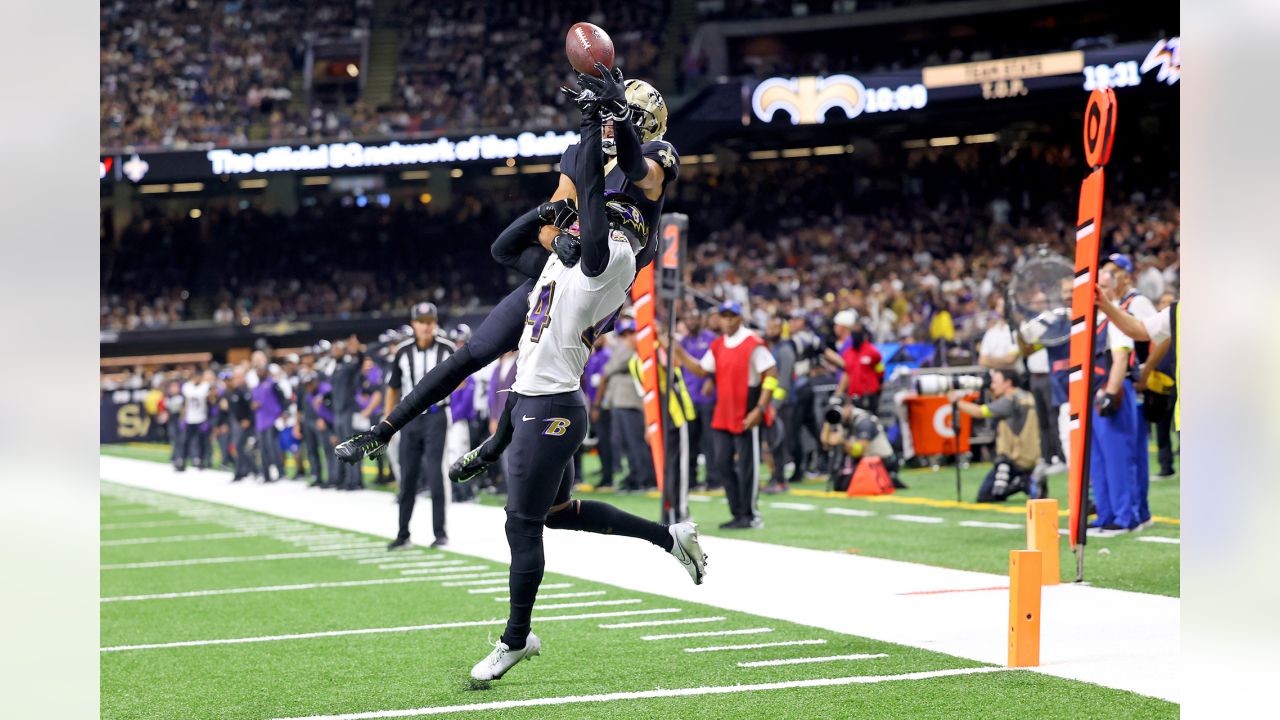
807	99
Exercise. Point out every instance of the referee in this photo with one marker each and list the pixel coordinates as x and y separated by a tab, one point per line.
422	439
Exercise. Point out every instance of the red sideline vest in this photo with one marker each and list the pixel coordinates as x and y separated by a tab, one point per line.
733	373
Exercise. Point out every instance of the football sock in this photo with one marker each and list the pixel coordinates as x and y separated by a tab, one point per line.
527	562
599	517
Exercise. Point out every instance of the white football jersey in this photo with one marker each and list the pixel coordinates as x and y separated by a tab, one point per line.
567	310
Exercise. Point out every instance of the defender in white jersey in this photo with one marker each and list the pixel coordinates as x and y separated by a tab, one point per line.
545	419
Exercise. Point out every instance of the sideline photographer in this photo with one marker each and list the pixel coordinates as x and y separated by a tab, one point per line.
850	433
1017	437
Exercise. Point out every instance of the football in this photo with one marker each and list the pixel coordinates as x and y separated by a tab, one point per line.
586	45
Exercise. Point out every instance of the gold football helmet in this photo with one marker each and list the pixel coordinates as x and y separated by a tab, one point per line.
648	110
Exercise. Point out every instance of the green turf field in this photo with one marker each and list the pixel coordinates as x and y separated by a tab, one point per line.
391	632
969	536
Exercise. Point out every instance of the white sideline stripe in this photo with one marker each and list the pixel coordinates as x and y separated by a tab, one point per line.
917	519
647	694
495	581
274	588
700	498
138	511
555	596
793	506
803	661
851	512
593	603
363	556
174	538
655	623
552	586
756	646
217	560
425	563
709	633
376	631
992	525
1154	539
438	570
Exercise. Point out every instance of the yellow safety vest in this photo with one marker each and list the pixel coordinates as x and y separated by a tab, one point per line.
679	403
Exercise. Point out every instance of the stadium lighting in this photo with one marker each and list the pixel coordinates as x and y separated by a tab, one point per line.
982	138
316	180
188	187
425	198
151	189
455	173
500	170
194	214
763	154
253	184
797	152
352	70
537	168
415	175
944	141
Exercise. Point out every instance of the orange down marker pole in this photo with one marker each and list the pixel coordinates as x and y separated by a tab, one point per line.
1042	535
1024	608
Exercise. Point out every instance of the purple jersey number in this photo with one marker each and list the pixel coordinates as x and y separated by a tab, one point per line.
540	315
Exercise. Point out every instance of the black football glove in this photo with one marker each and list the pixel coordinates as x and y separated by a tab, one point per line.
561	213
568	248
367	444
1108	404
585	99
610	92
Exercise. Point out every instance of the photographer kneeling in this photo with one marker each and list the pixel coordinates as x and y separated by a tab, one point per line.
1017	437
850	433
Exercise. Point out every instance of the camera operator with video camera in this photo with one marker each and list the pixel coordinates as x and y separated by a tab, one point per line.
1017	436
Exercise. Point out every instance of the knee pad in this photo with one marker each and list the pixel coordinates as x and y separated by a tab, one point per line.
521	530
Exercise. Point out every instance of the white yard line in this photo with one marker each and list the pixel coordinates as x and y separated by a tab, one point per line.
709	633
990	525
500	577
803	507
174	538
350	546
927	519
282	588
805	661
559	596
754	646
425	563
385	556
648	694
850	512
700	498
154	524
655	623
592	603
1133	644
1157	539
439	570
218	560
377	631
549	587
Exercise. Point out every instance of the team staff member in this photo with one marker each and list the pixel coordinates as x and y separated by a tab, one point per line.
1118	451
626	409
697	341
344	380
1161	329
196	396
422	439
784	424
311	427
240	408
678	416
593	386
745	375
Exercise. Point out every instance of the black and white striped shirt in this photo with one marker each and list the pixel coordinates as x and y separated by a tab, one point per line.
411	363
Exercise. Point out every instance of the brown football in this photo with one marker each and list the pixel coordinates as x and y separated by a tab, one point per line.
586	45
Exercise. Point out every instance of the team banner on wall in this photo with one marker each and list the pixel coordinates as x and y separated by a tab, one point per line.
1099	135
123	417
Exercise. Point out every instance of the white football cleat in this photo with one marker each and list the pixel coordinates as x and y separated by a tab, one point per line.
687	550
503	658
